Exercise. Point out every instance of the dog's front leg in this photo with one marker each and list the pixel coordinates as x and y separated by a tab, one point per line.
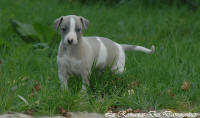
85	81
63	77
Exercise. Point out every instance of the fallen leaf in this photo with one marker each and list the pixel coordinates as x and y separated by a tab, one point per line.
37	86
67	115
29	112
186	86
111	108
63	112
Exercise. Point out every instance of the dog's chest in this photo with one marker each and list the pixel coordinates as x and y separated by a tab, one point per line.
71	64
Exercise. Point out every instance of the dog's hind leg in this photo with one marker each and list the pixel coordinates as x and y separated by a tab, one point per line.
120	62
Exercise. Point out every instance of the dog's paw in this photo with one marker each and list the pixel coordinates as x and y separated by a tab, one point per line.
152	49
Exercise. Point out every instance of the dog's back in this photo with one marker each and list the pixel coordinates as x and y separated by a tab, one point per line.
106	51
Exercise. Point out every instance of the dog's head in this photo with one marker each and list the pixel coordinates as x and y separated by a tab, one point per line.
71	28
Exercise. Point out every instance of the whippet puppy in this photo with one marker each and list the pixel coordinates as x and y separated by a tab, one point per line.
76	53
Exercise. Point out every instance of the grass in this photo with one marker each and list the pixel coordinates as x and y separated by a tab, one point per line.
174	32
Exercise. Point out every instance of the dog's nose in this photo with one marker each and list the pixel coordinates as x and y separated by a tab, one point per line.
70	41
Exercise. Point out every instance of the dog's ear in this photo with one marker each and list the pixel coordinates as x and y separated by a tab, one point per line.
57	22
84	22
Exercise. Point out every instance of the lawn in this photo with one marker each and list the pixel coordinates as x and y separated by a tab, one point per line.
167	79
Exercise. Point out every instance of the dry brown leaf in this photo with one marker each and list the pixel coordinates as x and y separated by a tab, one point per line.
67	115
63	112
186	86
37	86
29	112
111	108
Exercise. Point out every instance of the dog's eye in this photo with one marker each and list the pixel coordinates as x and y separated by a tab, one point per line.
78	29
64	29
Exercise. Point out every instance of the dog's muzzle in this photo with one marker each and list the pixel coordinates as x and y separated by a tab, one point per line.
70	41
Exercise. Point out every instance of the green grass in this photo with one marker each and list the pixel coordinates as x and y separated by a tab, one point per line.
174	31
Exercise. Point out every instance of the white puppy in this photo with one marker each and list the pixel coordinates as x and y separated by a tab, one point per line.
76	54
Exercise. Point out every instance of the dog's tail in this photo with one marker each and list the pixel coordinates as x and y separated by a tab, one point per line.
138	48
